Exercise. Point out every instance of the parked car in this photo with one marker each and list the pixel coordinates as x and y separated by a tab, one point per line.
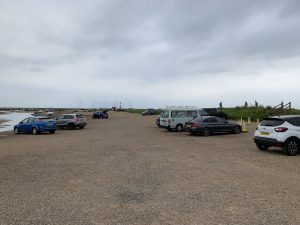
149	112
36	125
210	125
174	118
71	121
100	115
215	112
282	131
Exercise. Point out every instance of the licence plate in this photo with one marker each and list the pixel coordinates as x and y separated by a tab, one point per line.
188	126
264	133
49	124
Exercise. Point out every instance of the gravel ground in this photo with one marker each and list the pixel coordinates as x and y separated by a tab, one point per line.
125	170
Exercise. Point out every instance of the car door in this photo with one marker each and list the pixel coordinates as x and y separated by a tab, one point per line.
223	125
30	124
213	124
22	125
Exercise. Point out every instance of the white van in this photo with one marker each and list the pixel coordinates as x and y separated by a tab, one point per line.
175	117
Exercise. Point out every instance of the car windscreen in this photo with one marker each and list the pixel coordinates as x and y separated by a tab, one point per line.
164	114
271	122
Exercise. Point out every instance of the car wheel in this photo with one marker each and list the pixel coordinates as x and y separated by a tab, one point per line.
34	131
16	130
291	147
81	127
236	130
52	132
179	128
206	131
262	147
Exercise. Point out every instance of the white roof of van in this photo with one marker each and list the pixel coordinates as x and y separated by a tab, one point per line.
182	108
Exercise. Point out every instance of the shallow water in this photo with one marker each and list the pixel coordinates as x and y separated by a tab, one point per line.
12	119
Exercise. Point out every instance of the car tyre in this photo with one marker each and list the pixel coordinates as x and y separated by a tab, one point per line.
179	128
16	130
291	147
262	147
236	130
81	127
52	132
206	131
35	131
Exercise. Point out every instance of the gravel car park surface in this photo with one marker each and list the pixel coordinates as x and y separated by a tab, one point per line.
126	170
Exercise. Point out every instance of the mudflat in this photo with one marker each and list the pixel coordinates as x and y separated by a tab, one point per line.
126	170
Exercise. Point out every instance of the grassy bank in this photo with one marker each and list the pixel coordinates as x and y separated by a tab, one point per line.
254	112
236	113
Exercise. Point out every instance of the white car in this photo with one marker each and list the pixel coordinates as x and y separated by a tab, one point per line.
279	131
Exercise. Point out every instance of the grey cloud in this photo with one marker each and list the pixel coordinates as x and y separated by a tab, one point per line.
146	42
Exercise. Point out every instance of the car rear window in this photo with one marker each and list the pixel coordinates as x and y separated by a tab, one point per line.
271	122
68	117
211	111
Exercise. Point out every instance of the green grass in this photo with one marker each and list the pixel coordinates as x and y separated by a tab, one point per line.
131	110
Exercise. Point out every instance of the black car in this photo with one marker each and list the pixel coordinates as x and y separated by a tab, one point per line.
149	112
215	112
211	124
100	115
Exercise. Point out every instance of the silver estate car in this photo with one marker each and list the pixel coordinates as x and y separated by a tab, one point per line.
71	121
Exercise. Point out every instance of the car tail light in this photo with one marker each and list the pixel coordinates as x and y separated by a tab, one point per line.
280	129
195	125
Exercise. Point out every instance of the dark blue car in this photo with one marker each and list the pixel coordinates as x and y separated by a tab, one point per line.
36	125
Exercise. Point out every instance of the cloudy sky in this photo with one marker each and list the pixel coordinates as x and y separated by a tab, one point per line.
149	53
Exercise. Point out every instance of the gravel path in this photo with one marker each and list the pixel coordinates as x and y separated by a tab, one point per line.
125	170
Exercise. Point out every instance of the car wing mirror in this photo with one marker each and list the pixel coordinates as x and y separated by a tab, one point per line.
21	123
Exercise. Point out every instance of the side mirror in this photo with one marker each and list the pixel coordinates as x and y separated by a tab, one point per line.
21	123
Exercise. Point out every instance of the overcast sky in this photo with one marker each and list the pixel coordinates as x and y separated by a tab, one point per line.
70	53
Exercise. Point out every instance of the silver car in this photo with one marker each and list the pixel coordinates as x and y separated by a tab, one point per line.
71	121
